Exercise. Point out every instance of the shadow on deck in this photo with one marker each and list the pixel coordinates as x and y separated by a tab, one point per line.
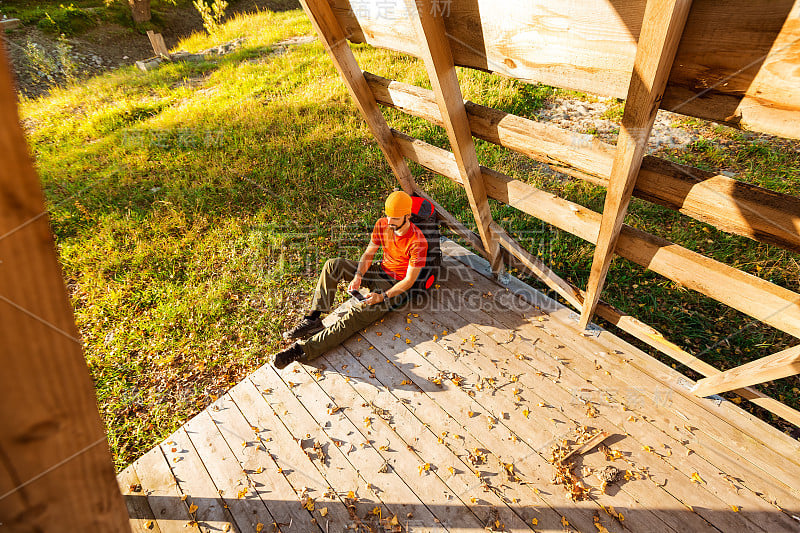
443	417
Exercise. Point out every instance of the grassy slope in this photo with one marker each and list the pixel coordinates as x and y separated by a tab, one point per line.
193	207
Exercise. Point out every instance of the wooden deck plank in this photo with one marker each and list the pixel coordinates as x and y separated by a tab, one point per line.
456	421
163	494
142	519
641	427
447	495
350	464
727	424
232	483
373	372
291	462
202	495
447	456
542	390
557	333
262	471
547	431
358	425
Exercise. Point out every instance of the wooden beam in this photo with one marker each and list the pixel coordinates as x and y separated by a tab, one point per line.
779	365
537	266
56	468
728	204
658	41
736	62
434	48
333	38
764	301
523	260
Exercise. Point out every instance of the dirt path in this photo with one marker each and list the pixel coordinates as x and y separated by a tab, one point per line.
109	46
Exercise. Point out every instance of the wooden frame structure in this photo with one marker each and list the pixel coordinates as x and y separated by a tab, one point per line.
55	465
731	63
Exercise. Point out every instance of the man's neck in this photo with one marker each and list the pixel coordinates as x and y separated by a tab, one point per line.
402	231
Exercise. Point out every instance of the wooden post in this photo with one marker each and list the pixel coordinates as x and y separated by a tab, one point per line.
779	365
335	42
658	41
157	42
434	48
55	467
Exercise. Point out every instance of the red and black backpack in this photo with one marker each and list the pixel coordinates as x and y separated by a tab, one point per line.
423	216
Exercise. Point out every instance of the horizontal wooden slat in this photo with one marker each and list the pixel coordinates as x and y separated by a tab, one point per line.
736	61
765	301
516	256
728	204
779	365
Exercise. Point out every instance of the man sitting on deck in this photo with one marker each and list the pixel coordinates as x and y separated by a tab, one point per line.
404	255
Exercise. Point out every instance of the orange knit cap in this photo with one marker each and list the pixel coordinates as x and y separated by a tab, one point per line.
398	204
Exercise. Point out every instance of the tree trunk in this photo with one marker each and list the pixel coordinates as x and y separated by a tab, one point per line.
140	9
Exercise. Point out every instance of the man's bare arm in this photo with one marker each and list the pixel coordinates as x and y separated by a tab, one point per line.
363	265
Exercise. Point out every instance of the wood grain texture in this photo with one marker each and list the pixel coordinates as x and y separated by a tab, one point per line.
332	37
729	204
434	47
57	467
658	41
764	301
736	62
779	365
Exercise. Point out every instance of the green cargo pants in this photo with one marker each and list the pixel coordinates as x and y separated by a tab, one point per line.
358	316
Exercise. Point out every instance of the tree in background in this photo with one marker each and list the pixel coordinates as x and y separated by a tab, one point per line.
140	10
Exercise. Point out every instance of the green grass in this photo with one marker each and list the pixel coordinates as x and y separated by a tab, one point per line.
194	205
72	18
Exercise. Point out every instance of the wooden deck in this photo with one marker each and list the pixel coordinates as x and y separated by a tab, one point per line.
443	418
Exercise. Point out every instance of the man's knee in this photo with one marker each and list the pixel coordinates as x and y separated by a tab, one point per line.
333	264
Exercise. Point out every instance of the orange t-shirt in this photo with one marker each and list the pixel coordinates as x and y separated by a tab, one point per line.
399	252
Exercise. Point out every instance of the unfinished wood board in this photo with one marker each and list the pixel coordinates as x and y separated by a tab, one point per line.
239	494
543	357
779	365
434	47
658	40
57	467
490	376
726	203
727	51
290	460
388	465
765	301
202	494
163	495
142	519
728	425
247	444
331	35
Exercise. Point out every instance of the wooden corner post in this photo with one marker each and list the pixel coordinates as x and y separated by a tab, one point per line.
662	28
434	48
56	471
335	42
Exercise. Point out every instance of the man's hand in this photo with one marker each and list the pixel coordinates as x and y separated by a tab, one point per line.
375	298
355	284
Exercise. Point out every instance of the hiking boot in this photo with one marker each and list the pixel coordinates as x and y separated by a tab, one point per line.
306	328
287	355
